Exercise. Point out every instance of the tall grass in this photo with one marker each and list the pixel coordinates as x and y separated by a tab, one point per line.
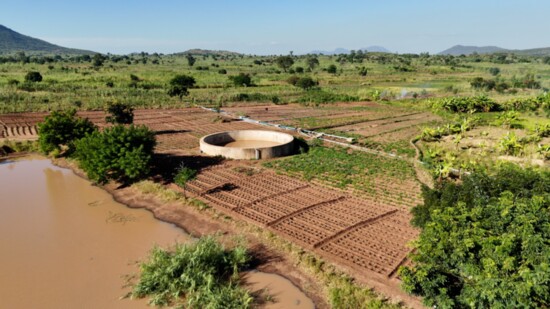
200	275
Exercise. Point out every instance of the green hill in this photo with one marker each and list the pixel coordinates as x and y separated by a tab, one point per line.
12	42
458	50
534	51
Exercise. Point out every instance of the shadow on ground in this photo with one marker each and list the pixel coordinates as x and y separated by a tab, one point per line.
166	165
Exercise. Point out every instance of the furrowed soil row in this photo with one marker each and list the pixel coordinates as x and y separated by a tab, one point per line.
383	121
359	233
368	233
372	129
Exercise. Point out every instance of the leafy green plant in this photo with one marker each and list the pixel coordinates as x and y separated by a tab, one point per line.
62	129
306	83
510	144
344	294
183	175
284	62
465	104
508	118
33	77
332	69
180	84
483	240
120	113
118	153
340	168
11	146
318	96
542	130
241	80
544	150
200	275
431	134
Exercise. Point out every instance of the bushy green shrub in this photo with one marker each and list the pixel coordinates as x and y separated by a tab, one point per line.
33	77
306	83
485	242
241	80
180	84
62	129
318	96
254	97
120	113
200	275
542	130
544	151
292	80
332	69
465	104
183	175
118	153
521	104
510	144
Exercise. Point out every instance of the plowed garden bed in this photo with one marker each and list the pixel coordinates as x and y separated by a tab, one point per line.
361	233
350	208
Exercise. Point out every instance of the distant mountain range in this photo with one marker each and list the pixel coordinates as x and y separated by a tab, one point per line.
337	51
200	52
12	42
458	50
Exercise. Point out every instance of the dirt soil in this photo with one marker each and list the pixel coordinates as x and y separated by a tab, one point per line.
364	236
207	222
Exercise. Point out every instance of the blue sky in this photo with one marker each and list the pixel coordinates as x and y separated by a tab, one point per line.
280	26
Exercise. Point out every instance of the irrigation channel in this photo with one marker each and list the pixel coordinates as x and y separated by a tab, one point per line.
67	244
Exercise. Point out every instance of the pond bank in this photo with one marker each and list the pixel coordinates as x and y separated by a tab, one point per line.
199	223
76	246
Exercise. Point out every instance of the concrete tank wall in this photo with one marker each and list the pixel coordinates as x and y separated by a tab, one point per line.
213	144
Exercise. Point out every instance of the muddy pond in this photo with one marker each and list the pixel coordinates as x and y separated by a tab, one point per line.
67	244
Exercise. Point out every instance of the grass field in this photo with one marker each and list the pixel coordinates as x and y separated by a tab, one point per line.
79	84
340	203
400	84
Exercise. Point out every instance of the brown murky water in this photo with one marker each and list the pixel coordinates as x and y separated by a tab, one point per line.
282	295
251	144
66	244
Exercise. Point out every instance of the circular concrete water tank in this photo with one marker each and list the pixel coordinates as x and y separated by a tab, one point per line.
248	144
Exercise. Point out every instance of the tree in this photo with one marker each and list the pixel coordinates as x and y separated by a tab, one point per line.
183	175
118	153
98	60
306	83
494	71
22	57
484	242
33	76
179	85
312	62
284	62
190	60
332	69
62	129
120	113
241	80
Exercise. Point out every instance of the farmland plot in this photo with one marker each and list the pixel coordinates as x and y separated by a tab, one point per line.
362	233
